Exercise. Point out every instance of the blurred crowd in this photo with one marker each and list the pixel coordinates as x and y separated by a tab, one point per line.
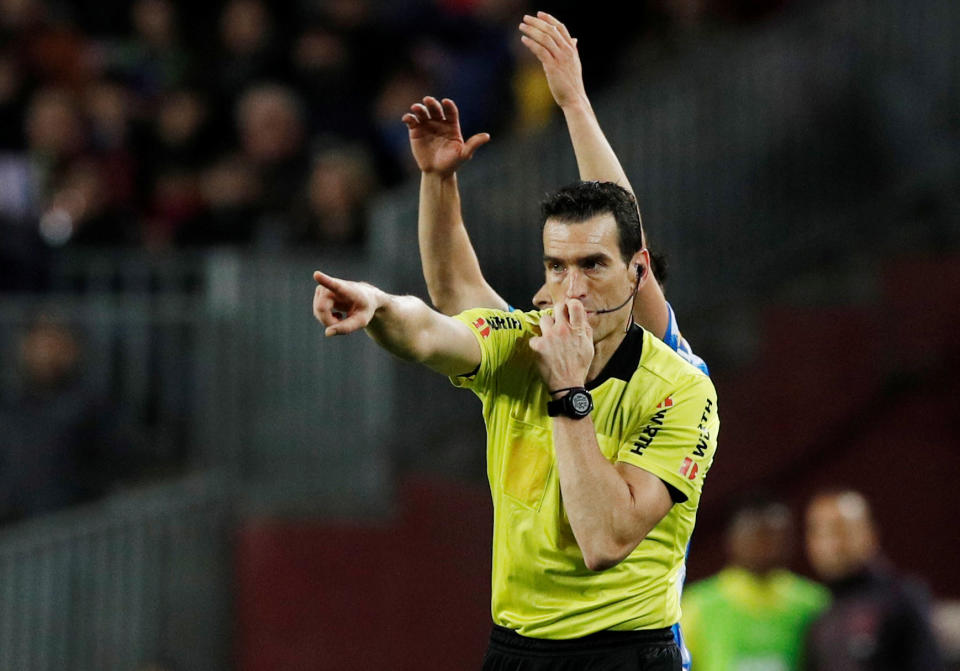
140	123
162	123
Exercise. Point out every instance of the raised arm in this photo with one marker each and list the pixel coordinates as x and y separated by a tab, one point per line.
450	265
403	325
550	41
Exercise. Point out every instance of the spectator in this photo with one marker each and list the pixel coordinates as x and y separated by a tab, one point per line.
152	59
181	129
53	125
63	188
325	68
407	82
471	58
64	175
110	125
55	51
247	52
230	192
333	211
754	613
180	142
878	620
270	120
81	209
61	444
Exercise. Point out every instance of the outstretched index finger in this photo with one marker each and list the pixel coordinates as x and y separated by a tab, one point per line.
331	283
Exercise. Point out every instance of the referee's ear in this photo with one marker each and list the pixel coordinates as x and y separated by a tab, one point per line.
640	267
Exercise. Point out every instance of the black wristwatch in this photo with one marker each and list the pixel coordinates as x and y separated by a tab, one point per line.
575	404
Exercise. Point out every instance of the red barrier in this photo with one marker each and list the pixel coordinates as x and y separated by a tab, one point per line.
411	593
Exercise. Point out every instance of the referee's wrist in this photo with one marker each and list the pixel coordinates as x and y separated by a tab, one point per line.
562	390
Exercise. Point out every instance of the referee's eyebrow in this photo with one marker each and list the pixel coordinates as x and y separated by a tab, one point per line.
589	260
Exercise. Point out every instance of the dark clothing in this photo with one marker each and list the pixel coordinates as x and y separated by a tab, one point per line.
876	622
57	447
652	650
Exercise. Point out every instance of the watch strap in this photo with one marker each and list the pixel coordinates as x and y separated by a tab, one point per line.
565	405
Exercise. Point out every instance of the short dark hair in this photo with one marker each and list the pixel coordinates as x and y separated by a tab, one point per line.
756	504
580	201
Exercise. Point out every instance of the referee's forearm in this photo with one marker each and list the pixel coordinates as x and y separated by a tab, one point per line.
397	326
408	328
597	499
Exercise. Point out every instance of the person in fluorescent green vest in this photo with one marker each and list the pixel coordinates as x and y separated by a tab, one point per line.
754	614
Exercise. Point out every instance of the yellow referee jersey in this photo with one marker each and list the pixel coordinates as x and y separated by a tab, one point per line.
652	409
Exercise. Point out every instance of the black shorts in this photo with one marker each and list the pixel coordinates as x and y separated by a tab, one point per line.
648	650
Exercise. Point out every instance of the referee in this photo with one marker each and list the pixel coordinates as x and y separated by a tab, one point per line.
599	437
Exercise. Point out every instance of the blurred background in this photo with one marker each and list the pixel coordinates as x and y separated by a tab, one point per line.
192	477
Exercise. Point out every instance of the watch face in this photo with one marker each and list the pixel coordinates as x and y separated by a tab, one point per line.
580	402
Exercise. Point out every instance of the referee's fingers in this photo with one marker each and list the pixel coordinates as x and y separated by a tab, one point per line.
560	315
354	322
323	306
547	322
578	315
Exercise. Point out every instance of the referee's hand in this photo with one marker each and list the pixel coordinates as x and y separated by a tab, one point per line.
564	347
342	306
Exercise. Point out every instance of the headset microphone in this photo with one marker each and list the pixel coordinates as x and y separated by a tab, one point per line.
619	307
629	298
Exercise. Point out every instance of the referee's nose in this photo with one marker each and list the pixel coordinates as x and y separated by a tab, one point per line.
575	284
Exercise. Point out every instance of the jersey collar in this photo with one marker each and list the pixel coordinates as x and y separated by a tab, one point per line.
625	359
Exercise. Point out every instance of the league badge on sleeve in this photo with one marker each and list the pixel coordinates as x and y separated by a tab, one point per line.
689	468
481	325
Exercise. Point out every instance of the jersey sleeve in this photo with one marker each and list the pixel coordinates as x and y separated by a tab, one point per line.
679	344
677	441
499	334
